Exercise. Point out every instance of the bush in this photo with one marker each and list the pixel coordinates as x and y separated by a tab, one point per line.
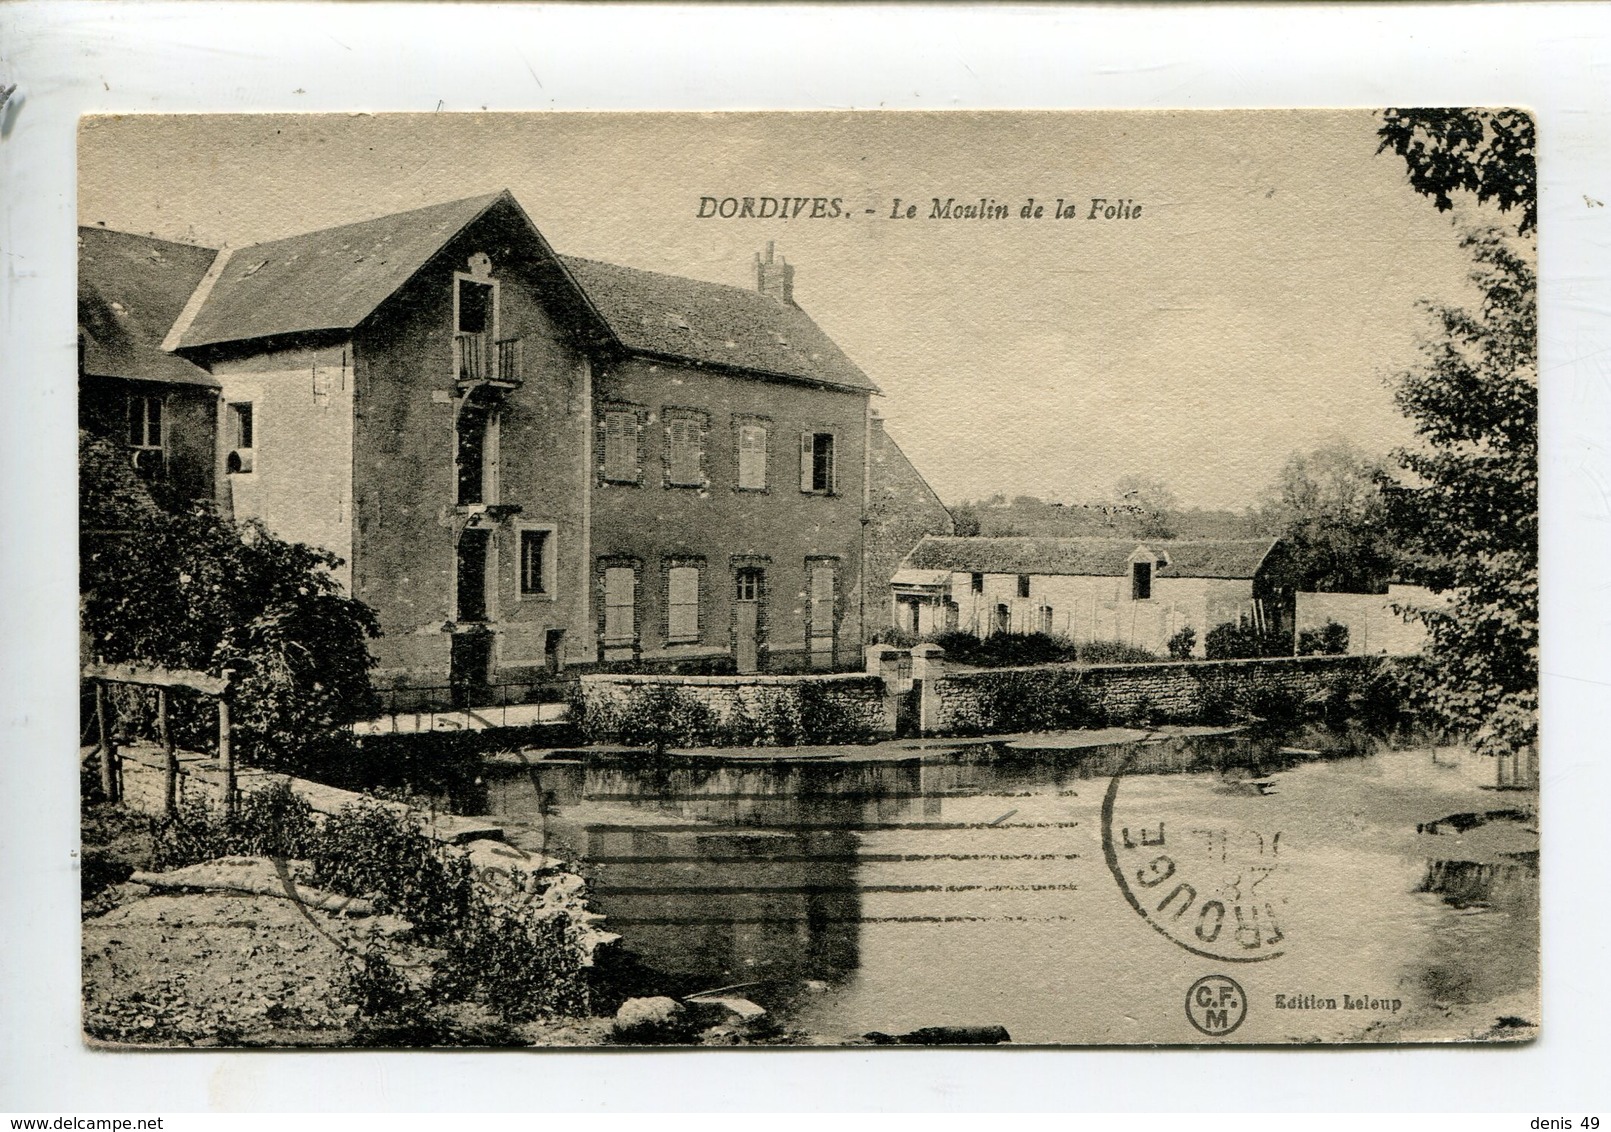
1022	650
1114	652
192	589
1231	641
1046	700
1183	644
271	822
374	850
1331	639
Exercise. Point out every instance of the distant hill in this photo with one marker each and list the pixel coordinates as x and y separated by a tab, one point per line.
1027	515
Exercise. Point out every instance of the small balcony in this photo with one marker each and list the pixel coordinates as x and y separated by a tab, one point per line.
478	359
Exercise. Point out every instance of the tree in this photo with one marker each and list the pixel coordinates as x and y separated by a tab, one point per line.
1328	505
1486	152
192	589
1468	512
1150	503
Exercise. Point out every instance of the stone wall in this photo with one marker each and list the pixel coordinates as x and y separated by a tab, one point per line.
975	701
739	710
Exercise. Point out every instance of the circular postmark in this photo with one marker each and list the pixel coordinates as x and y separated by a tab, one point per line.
1207	886
1216	1005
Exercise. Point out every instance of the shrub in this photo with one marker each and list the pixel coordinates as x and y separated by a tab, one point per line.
369	849
660	715
824	720
1114	652
1183	644
271	822
1231	641
1027	700
1007	650
193	589
1331	639
889	635
1022	650
520	960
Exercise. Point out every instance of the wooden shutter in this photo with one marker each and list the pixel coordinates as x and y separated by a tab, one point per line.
620	596
822	611
751	456
684	443
682	621
620	446
807	450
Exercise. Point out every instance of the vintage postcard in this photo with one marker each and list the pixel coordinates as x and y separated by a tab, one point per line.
1061	578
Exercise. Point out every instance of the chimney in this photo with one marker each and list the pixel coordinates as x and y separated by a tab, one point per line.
774	278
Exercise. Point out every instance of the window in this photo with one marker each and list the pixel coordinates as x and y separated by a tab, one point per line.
535	562
978	583
620	605
145	422
816	462
682	604
621	446
240	424
1023	585
752	457
476	306
1003	619
475	437
749	583
1045	615
472	581
686	446
1141	581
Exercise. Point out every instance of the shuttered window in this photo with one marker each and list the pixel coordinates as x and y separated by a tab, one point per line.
620	605
752	457
687	449
621	447
682	604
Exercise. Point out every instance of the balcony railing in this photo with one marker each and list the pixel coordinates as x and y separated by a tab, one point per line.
509	361
478	358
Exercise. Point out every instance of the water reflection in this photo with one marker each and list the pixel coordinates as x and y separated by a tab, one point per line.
965	885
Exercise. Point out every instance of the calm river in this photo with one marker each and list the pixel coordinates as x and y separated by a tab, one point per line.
965	883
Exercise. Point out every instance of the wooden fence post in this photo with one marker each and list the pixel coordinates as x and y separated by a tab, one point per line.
103	722
226	748
170	770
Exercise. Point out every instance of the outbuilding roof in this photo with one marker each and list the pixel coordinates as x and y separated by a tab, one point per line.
1094	557
130	290
713	324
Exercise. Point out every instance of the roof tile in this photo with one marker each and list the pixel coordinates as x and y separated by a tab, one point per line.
1098	557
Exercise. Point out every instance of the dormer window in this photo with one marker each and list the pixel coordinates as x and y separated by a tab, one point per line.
1141	581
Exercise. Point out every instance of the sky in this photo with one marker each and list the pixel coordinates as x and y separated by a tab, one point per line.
1259	303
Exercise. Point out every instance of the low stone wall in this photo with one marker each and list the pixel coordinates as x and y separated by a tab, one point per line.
737	710
1056	695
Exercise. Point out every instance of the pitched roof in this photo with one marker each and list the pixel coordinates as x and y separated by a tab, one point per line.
1096	557
335	278
331	279
130	290
713	324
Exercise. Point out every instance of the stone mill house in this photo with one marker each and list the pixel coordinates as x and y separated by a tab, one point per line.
527	461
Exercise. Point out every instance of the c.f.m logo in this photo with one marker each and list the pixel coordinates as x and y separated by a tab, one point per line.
1216	1005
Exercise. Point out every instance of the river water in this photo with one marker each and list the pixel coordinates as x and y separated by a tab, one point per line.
947	883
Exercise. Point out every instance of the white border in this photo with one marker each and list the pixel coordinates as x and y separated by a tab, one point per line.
73	58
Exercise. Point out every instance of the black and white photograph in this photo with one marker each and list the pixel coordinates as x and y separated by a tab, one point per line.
809	579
